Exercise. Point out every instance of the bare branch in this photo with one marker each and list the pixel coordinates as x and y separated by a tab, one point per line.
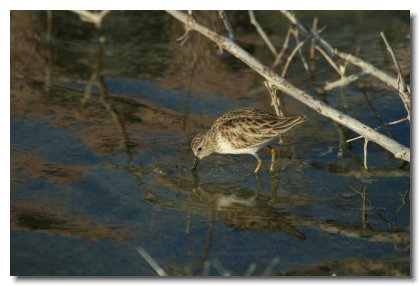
312	49
342	81
365	153
283	49
377	128
324	44
329	59
399	151
289	59
366	67
370	69
225	19
151	261
275	102
402	88
302	58
261	32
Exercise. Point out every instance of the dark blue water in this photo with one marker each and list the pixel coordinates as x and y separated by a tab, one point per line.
95	178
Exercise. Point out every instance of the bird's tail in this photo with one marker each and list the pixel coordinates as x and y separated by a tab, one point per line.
286	123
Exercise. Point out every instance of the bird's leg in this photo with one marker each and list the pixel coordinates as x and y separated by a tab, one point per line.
259	163
273	158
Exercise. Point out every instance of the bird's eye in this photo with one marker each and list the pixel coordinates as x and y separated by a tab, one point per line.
199	149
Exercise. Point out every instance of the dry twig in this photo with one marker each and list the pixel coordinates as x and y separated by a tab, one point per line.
399	151
261	32
289	59
312	49
279	56
377	128
302	58
402	88
151	262
343	81
225	19
366	67
329	59
320	41
275	101
365	154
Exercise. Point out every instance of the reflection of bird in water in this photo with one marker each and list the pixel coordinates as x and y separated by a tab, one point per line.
243	210
240	209
243	131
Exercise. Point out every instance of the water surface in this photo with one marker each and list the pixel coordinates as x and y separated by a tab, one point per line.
100	156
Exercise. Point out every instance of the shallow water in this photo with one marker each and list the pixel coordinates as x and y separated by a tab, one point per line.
100	156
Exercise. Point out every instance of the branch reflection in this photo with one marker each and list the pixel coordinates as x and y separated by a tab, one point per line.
97	79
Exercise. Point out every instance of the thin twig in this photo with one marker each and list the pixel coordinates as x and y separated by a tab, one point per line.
261	32
289	59
324	44
398	150
279	56
365	154
370	69
151	261
342	82
275	102
402	88
225	19
312	49
302	58
366	67
182	39
329	59
376	113
389	123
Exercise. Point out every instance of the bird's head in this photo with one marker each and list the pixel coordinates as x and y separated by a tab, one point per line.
202	147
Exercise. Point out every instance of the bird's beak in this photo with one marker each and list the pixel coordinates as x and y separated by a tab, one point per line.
195	163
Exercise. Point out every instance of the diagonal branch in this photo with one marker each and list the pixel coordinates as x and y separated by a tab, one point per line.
387	143
302	58
366	67
283	49
228	26
292	54
402	88
320	41
261	32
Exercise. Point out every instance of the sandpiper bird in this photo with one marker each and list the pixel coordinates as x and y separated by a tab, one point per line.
243	131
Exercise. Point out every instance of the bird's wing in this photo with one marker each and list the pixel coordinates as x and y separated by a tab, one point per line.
245	132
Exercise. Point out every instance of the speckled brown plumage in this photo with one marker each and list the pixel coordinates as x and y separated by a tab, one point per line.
242	131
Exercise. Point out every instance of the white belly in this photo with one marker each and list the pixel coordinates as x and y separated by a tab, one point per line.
224	147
